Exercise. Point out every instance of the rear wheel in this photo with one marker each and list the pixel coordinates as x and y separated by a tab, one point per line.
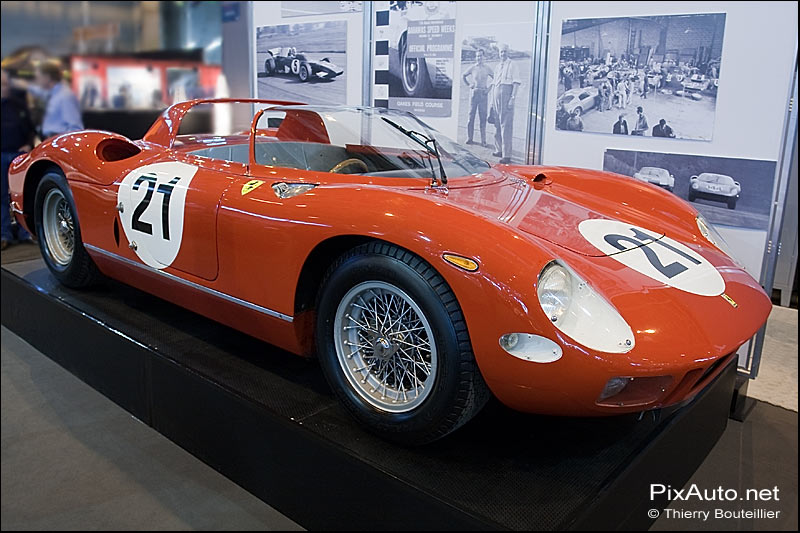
59	233
303	74
269	65
394	346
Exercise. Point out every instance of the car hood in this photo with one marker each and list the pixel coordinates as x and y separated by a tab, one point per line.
553	207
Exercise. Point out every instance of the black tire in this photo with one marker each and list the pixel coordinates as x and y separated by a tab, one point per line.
732	203
269	65
79	270
417	83
692	197
578	111
304	72
458	390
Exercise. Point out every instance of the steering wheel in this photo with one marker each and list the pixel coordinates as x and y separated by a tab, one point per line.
350	162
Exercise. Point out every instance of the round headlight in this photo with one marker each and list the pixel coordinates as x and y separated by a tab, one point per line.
577	310
555	291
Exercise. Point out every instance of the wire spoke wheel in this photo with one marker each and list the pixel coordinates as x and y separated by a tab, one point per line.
59	227
384	344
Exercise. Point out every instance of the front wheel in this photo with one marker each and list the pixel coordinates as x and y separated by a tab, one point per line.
59	233
394	346
303	74
732	203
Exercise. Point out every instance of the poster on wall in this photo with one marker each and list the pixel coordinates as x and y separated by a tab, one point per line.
303	62
733	194
495	65
655	76
304	9
414	57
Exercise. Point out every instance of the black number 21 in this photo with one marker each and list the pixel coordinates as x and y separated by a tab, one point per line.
640	241
165	189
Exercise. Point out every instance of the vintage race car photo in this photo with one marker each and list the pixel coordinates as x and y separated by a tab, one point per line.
717	187
579	100
656	176
423	278
286	60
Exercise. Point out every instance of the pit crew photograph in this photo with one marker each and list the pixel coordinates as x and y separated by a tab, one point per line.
493	71
668	64
305	61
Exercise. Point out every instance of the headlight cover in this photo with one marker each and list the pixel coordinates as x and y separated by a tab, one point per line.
713	236
577	310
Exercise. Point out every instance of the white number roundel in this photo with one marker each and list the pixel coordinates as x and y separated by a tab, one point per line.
664	260
153	199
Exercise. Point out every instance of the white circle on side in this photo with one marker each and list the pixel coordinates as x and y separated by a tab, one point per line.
153	199
656	256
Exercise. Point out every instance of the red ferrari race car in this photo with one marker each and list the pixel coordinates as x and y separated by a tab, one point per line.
423	277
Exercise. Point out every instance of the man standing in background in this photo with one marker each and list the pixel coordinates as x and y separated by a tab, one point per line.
641	122
506	84
17	137
62	113
479	96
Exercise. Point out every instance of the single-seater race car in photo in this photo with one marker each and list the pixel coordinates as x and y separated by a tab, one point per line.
287	60
423	278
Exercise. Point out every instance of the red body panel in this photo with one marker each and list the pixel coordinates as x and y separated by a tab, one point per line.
248	250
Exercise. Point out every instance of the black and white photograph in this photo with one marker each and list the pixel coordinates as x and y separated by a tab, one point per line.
654	76
304	9
733	194
728	191
414	56
303	62
494	103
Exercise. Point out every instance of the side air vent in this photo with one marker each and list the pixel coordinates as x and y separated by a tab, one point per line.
116	150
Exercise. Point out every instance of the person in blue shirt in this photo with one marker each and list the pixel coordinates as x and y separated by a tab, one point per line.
62	113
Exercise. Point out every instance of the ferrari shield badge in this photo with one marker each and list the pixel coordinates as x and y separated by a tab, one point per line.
250	186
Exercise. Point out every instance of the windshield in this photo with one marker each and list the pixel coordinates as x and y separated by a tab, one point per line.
716	178
652	170
359	140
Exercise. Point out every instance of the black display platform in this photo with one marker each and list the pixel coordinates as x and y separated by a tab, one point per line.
267	420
